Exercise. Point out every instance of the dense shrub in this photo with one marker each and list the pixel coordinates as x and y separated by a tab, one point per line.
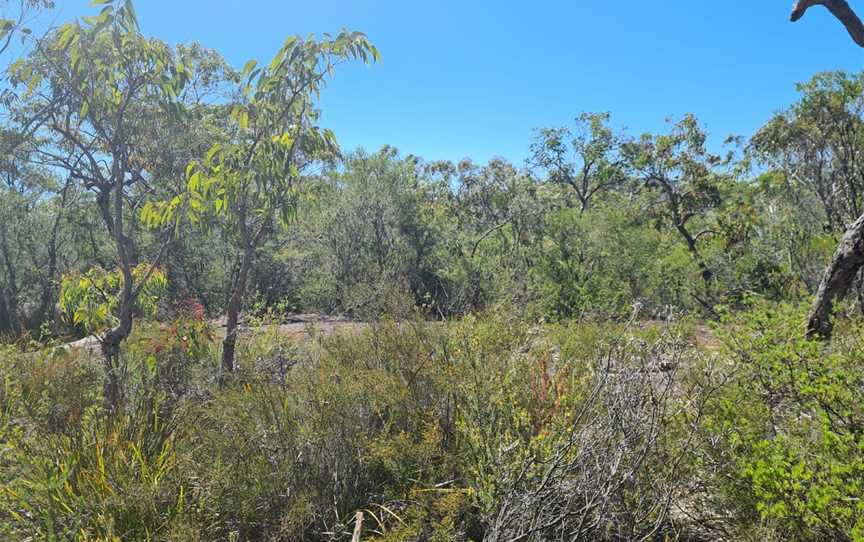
434	431
789	422
490	428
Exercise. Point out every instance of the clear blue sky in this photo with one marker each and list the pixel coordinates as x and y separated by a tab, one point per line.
475	78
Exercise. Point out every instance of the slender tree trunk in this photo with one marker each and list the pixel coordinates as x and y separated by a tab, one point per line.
704	271
235	304
11	284
112	340
113	390
836	280
46	312
680	223
5	319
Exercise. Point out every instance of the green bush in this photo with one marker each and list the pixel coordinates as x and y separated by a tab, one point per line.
489	428
791	421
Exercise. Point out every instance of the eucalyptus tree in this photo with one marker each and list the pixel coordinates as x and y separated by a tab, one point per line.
495	213
585	158
34	241
95	86
684	183
373	245
254	177
16	17
196	261
817	146
21	183
849	256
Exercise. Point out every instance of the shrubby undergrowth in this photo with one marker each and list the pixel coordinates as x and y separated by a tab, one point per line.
510	370
483	429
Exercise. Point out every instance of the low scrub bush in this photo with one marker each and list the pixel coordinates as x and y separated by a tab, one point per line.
788	429
490	428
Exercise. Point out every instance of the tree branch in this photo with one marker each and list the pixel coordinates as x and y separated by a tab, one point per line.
840	9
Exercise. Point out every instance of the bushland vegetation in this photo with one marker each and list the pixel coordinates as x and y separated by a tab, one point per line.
606	342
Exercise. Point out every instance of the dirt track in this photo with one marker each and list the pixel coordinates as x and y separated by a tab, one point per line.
304	325
298	325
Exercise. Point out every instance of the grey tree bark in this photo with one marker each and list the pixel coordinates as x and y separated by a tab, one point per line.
849	256
836	280
840	9
235	304
251	241
113	215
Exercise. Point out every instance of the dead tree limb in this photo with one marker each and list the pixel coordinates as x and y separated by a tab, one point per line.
838	277
358	527
849	256
840	9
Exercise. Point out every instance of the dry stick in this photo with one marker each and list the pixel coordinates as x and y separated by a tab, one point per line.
358	527
840	9
836	280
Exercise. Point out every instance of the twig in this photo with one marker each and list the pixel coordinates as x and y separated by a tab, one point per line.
358	527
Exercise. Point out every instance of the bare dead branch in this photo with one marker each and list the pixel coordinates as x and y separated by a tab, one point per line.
840	9
358	527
